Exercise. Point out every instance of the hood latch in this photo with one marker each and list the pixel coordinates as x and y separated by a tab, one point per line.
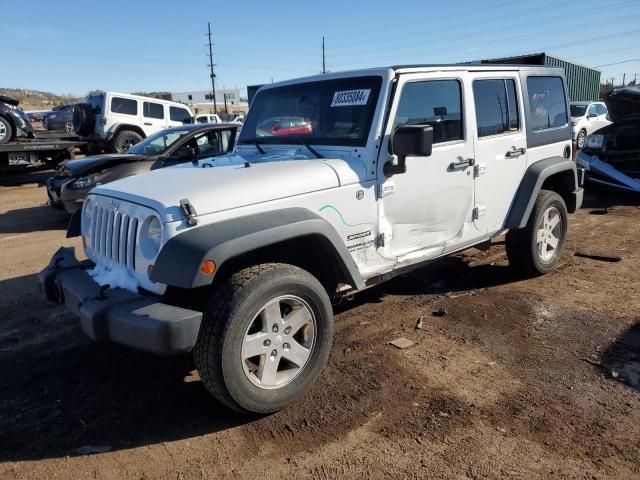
189	212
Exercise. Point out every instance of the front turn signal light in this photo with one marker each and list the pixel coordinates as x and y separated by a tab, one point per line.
208	267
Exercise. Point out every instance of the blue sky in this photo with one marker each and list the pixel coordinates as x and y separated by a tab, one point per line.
75	46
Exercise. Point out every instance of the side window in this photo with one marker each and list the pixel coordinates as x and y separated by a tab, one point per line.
178	114
125	106
592	110
496	107
153	110
437	103
547	102
601	109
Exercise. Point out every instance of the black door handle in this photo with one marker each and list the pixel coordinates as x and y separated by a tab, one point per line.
467	162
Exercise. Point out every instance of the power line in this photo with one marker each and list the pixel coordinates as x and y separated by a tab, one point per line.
618	63
451	32
457	26
422	22
501	40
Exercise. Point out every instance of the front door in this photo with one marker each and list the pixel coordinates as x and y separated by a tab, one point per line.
429	205
500	146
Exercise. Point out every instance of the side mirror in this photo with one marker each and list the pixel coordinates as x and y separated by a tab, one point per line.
409	140
592	115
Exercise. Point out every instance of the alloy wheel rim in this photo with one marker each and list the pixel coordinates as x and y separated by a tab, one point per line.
278	342
548	234
3	131
581	137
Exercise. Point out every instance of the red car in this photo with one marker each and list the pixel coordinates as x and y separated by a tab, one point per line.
280	126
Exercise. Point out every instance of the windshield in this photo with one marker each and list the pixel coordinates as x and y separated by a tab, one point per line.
158	143
328	112
578	110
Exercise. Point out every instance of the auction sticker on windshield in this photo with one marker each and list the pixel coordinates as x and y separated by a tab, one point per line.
348	98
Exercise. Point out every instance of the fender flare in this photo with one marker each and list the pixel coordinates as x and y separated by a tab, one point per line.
531	184
115	129
179	260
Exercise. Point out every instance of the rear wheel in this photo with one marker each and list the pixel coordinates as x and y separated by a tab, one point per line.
536	248
125	139
6	132
265	338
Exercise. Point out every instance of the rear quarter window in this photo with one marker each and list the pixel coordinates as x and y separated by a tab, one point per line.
547	103
124	106
178	114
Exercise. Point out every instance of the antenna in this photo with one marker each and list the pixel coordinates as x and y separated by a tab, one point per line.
213	75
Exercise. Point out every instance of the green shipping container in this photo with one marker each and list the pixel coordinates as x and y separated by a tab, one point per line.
583	82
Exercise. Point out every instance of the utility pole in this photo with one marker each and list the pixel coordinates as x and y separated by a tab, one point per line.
324	65
624	78
213	75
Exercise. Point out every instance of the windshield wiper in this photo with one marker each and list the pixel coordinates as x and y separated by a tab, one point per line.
310	148
254	141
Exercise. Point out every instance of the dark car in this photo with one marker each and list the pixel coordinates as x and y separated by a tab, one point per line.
173	146
60	118
611	155
14	122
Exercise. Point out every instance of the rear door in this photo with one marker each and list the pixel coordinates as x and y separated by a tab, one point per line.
153	117
500	146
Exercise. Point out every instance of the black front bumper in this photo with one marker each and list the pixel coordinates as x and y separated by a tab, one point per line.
139	321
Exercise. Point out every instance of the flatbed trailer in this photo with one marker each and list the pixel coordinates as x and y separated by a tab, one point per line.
45	150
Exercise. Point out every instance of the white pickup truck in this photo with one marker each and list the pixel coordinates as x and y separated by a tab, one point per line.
338	182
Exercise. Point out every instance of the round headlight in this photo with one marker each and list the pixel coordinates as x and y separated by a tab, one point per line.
151	237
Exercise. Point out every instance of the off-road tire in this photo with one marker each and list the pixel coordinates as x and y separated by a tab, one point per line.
226	319
8	131
84	120
521	244
581	138
125	139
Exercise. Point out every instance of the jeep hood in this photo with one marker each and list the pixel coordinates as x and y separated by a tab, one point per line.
213	189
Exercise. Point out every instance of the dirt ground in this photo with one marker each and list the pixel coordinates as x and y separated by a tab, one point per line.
508	377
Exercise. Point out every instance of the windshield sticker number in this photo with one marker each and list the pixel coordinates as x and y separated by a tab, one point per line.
349	98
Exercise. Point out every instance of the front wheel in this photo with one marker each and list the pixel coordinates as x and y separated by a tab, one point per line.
265	338
580	138
536	248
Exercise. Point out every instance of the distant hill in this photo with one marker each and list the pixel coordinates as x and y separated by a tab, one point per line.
37	100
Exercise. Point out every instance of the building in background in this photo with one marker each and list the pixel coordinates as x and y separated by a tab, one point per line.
583	81
201	101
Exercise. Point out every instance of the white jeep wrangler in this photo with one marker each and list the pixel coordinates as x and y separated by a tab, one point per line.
382	171
117	121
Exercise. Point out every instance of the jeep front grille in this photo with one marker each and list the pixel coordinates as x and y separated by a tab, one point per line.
113	236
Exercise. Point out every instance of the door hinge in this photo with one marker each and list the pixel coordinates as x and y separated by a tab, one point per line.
479	169
380	240
479	211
